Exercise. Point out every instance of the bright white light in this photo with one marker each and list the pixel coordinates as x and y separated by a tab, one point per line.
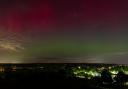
81	76
79	67
114	72
126	83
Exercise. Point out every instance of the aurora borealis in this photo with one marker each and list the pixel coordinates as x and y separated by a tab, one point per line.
87	31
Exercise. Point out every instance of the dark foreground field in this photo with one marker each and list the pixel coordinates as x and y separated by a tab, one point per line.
46	76
44	81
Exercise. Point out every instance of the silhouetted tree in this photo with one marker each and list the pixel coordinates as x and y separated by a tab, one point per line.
106	77
121	78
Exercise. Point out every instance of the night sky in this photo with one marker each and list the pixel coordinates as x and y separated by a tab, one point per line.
93	31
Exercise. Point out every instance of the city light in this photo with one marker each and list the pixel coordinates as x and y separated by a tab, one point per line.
2	69
114	72
83	72
14	68
126	83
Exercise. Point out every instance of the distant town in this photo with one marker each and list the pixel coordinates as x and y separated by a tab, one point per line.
94	76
